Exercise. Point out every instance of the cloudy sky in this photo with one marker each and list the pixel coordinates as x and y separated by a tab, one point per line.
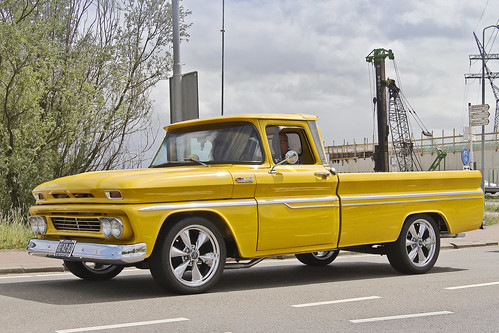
309	57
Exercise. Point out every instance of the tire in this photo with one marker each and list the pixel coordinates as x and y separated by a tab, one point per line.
190	257
322	258
417	248
93	271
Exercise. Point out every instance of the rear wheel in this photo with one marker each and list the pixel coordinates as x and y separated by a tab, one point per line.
321	258
190	257
93	271
417	248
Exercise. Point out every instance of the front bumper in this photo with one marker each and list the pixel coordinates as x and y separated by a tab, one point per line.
91	252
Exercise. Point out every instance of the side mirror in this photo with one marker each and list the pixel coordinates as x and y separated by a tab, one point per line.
333	171
291	157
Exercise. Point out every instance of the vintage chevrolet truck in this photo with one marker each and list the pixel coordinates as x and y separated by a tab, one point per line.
246	187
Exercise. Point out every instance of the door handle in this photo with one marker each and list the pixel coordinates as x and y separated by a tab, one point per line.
322	174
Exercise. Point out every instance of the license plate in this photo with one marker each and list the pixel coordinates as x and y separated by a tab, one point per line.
65	248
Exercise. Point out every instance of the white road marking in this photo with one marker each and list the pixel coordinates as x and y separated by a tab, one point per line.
414	315
107	327
473	285
16	276
335	302
53	274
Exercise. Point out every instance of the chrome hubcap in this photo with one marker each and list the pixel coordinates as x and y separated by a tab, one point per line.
323	254
194	255
420	242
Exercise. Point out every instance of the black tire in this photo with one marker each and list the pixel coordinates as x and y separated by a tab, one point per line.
417	248
322	258
190	257
93	271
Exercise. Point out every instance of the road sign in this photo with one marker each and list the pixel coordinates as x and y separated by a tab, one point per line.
465	156
479	122
479	108
479	114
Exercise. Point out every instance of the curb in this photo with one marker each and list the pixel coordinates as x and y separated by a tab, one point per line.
30	269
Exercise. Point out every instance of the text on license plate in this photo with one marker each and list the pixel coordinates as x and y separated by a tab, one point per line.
65	248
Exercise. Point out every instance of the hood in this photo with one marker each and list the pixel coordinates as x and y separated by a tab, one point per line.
139	186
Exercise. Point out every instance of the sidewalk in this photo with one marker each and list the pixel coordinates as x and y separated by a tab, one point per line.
15	262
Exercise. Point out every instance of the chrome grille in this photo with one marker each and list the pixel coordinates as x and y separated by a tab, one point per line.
76	223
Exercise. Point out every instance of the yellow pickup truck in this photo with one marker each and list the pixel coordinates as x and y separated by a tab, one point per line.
245	187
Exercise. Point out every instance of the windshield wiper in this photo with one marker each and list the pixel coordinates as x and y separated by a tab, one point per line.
195	160
164	164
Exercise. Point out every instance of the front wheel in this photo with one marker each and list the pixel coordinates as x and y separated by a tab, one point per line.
322	258
190	257
93	271
417	248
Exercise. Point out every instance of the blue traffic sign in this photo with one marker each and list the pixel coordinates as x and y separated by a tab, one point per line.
465	156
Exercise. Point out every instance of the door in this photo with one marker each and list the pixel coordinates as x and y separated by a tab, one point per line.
297	204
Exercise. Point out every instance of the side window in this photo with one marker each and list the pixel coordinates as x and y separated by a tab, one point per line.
284	138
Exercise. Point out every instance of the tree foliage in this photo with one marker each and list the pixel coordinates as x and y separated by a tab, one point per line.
74	83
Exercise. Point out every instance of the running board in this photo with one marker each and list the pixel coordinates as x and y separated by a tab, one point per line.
236	265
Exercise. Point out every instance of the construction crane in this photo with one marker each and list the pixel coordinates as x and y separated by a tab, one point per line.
401	135
397	119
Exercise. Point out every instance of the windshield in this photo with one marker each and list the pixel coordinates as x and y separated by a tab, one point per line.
232	143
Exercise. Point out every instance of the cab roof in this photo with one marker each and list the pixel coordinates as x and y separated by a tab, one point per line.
241	117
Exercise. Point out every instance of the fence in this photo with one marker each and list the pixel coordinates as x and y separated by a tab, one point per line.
357	157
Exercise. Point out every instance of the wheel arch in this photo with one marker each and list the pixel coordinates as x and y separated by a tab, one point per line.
220	222
437	216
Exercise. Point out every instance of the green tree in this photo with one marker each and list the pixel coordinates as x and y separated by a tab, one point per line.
74	83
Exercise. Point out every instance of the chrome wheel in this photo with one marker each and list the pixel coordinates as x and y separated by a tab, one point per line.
322	255
416	251
93	271
194	255
321	258
420	242
190	256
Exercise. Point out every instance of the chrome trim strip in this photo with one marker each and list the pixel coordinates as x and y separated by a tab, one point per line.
410	195
91	252
297	200
190	205
406	201
318	206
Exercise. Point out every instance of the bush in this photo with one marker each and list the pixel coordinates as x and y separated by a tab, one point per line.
15	231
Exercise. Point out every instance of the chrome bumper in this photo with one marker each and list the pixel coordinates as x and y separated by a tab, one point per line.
99	253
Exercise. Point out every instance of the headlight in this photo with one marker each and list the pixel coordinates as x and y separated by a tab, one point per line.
111	226
38	224
116	228
105	226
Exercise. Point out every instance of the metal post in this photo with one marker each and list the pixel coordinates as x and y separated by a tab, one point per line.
482	167
176	110
223	56
377	56
382	166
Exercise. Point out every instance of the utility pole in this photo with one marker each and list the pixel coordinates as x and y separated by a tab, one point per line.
223	56
176	88
377	56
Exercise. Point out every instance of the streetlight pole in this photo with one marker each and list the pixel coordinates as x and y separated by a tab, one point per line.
176	113
482	166
223	56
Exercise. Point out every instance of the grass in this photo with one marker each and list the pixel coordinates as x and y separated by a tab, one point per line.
491	219
14	229
491	208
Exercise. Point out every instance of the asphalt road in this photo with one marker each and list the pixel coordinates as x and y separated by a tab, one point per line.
360	293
